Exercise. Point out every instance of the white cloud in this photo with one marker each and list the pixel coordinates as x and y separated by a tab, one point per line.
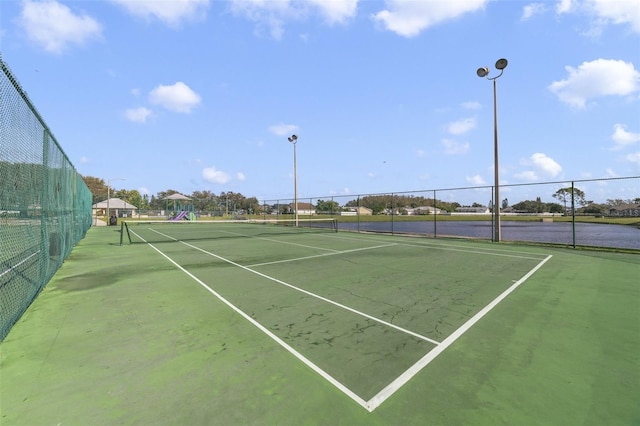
269	14
241	177
603	13
336	11
461	126
283	129
171	13
617	12
633	158
210	174
475	180
272	15
138	115
177	98
528	175
409	18
622	137
471	105
532	9
542	165
54	27
84	160
565	6
601	77
453	147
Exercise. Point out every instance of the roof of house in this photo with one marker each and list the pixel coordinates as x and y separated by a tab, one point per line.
625	207
114	203
304	206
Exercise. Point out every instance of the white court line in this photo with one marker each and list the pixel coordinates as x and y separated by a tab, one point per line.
320	255
278	241
18	264
401	380
295	353
441	246
390	389
317	296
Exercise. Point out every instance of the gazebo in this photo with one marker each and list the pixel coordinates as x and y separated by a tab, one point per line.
180	202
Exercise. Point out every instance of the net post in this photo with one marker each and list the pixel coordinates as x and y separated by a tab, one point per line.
128	233
124	228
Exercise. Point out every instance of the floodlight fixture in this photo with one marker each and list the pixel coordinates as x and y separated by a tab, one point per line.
501	64
483	72
293	138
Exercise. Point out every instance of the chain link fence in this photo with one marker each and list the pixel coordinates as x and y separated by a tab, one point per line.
589	212
45	206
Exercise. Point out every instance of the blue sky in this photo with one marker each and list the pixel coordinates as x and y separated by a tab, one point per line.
383	95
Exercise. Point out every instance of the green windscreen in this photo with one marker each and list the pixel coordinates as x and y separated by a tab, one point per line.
45	206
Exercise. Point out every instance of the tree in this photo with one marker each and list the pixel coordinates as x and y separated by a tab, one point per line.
135	198
565	195
555	208
250	205
327	206
593	208
97	187
204	201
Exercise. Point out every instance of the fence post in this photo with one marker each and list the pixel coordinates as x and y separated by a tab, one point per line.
573	214
435	216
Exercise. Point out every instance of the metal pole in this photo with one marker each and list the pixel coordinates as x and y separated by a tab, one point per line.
108	196
496	209
295	182
293	139
501	64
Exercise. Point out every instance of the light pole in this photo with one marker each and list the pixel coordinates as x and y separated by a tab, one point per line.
109	196
501	64
293	139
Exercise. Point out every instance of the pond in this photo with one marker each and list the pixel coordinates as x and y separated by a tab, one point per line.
586	234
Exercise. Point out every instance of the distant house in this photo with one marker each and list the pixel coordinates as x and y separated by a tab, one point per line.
355	211
625	210
115	206
303	208
426	210
472	210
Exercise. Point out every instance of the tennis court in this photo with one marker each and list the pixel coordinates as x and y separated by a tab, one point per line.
252	323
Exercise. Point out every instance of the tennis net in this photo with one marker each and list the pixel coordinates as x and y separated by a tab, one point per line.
170	231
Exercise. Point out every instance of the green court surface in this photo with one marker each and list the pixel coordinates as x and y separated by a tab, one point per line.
231	326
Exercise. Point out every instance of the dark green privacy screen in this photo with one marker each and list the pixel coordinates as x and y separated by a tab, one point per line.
45	206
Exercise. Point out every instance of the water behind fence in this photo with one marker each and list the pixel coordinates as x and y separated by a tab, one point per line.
588	212
45	206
